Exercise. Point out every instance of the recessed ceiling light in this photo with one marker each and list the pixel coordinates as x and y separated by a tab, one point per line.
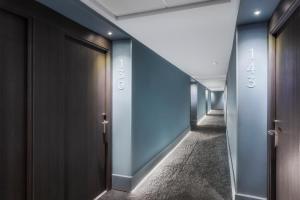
257	12
215	63
109	33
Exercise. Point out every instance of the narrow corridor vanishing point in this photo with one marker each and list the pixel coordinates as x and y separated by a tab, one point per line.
197	169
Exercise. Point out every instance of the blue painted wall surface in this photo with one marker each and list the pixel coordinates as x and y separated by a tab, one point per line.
121	107
217	100
209	101
252	111
231	110
201	101
161	104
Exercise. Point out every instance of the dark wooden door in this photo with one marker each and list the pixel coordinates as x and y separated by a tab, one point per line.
288	110
13	86
69	99
85	103
54	88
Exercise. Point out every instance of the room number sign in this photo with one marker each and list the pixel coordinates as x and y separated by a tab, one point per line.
251	70
121	75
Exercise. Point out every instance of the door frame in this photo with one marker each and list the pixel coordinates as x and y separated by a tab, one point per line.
31	10
281	15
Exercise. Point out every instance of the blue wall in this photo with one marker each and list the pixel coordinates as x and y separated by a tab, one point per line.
198	103
121	107
231	110
160	102
252	110
247	110
209	101
217	100
201	101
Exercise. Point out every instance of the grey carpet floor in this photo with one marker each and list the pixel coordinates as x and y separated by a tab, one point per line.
216	112
214	119
196	170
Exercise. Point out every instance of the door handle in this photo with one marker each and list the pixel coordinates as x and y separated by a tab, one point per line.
105	122
275	134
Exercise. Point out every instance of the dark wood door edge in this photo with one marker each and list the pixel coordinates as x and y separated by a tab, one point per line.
29	110
282	13
271	116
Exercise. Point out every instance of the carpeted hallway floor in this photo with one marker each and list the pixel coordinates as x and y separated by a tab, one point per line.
197	169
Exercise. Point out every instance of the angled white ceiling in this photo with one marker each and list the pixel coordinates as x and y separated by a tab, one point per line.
194	35
128	7
125	7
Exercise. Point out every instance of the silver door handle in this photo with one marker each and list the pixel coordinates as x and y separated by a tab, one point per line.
105	122
273	132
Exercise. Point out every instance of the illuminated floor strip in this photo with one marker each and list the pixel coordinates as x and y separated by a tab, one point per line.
201	120
100	195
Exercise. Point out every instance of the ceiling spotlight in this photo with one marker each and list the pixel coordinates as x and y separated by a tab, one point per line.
257	12
215	63
109	33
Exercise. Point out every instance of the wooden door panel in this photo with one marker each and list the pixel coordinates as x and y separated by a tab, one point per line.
49	112
85	147
66	156
287	110
13	86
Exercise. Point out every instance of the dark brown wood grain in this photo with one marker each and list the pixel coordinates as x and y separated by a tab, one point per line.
108	107
282	14
13	100
271	118
62	86
49	112
35	10
29	110
85	102
288	109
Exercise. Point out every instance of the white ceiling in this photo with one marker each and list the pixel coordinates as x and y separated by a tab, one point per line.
194	35
128	7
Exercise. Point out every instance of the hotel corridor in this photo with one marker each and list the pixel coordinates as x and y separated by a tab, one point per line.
197	168
149	100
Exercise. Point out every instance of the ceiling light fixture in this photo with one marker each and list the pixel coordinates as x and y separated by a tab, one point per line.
257	12
109	33
215	63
